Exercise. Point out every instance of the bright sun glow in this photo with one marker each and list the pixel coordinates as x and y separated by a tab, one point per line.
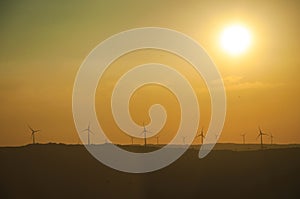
235	39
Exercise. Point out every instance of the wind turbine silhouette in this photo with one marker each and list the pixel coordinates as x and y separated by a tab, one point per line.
106	141
201	135
88	130
131	140
145	134
261	134
271	136
33	133
244	138
183	140
157	137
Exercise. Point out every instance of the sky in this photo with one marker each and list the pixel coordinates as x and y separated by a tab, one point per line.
43	44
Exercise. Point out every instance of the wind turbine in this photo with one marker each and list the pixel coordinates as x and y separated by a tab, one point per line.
131	140
145	134
88	130
201	135
106	141
244	138
157	137
271	136
183	140
33	133
261	134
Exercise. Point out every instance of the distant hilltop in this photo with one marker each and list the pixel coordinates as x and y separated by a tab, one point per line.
153	147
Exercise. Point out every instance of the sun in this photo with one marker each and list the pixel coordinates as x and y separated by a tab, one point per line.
235	39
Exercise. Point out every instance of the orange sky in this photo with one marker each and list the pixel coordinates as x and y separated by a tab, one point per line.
44	43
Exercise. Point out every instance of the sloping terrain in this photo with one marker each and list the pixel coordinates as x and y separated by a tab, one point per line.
69	171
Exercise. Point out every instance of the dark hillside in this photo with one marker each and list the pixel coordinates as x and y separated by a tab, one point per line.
69	171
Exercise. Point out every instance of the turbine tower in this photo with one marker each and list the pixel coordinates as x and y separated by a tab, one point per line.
33	133
201	135
183	140
145	134
244	138
157	137
271	136
131	140
261	134
88	130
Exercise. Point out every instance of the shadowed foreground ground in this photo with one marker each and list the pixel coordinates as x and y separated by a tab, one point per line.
61	171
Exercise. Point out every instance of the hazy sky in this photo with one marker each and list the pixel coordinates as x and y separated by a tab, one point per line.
43	44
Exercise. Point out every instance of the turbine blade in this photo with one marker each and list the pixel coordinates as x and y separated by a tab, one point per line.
30	128
258	136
